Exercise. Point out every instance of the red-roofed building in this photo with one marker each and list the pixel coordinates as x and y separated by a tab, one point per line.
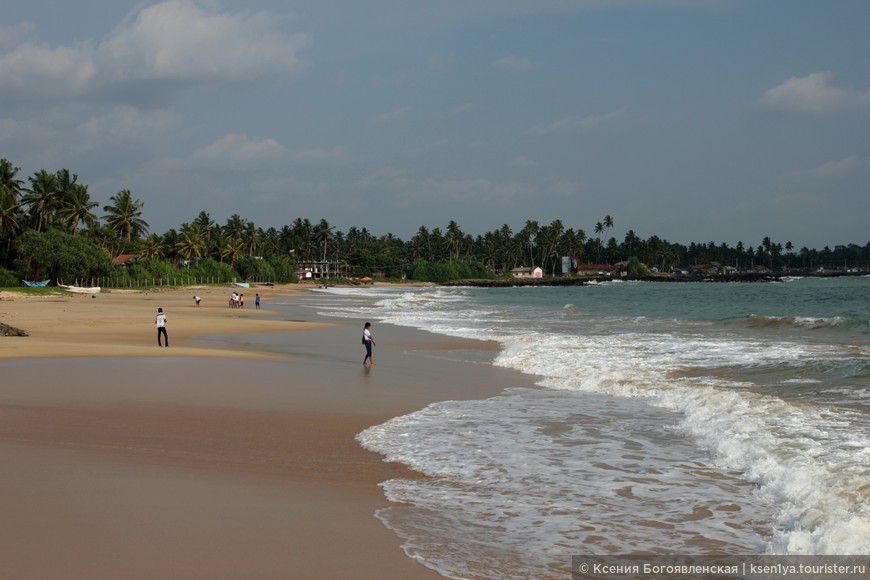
124	259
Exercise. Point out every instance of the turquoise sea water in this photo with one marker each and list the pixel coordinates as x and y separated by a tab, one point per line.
670	418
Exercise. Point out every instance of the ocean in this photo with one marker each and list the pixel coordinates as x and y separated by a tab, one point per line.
684	418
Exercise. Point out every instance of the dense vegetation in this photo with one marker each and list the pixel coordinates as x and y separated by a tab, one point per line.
49	229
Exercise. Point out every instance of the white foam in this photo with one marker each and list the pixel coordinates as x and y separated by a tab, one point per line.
533	476
809	461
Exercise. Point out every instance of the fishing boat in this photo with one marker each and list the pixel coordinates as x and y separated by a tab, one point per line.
34	284
80	289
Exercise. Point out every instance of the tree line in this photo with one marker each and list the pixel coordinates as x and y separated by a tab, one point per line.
50	228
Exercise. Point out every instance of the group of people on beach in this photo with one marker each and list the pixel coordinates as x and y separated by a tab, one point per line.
238	301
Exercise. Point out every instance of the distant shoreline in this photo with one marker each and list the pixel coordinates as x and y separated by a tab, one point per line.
573	281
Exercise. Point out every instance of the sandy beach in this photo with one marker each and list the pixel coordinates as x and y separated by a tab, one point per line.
212	458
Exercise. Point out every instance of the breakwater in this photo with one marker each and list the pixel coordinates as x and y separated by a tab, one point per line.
585	280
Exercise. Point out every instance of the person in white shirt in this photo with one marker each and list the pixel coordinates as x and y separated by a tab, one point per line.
161	327
368	341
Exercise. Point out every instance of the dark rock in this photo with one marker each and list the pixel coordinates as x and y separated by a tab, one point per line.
6	330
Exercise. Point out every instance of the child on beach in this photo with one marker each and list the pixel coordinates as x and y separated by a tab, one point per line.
160	320
368	341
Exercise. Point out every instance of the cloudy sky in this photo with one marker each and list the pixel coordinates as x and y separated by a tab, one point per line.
693	120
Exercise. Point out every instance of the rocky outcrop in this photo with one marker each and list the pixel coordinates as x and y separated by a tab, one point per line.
6	330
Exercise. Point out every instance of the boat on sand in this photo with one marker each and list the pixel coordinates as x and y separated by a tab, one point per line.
80	289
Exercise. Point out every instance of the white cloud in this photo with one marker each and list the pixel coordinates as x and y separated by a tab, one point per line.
394	116
839	169
130	124
524	162
566	188
11	36
514	63
190	39
462	109
575	124
237	150
187	41
428	149
42	71
813	95
318	156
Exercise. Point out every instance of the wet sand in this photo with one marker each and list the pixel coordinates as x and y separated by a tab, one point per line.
231	453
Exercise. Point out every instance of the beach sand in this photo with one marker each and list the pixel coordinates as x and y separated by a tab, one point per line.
218	457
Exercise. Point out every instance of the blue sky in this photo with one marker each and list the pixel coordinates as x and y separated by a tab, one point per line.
696	121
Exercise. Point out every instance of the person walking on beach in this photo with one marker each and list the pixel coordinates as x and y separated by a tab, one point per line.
161	327
368	341
257	301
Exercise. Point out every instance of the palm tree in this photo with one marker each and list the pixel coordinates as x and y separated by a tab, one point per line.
77	208
270	242
10	216
204	221
234	229
302	238
124	216
9	182
232	250
323	234
453	239
555	231
608	223
152	248
599	228
420	248
529	233
41	199
251	238
192	242
630	242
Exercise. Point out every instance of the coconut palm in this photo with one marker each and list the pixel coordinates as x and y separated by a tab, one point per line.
9	182
10	216
323	235
252	237
599	229
232	250
41	200
453	238
76	209
124	216
152	248
192	243
529	233
234	229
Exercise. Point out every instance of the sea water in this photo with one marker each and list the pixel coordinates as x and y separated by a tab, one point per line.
684	418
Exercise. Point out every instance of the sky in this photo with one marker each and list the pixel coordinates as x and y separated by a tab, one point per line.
692	120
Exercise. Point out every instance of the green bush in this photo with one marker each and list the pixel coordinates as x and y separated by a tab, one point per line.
283	271
8	278
637	269
57	255
424	271
211	268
